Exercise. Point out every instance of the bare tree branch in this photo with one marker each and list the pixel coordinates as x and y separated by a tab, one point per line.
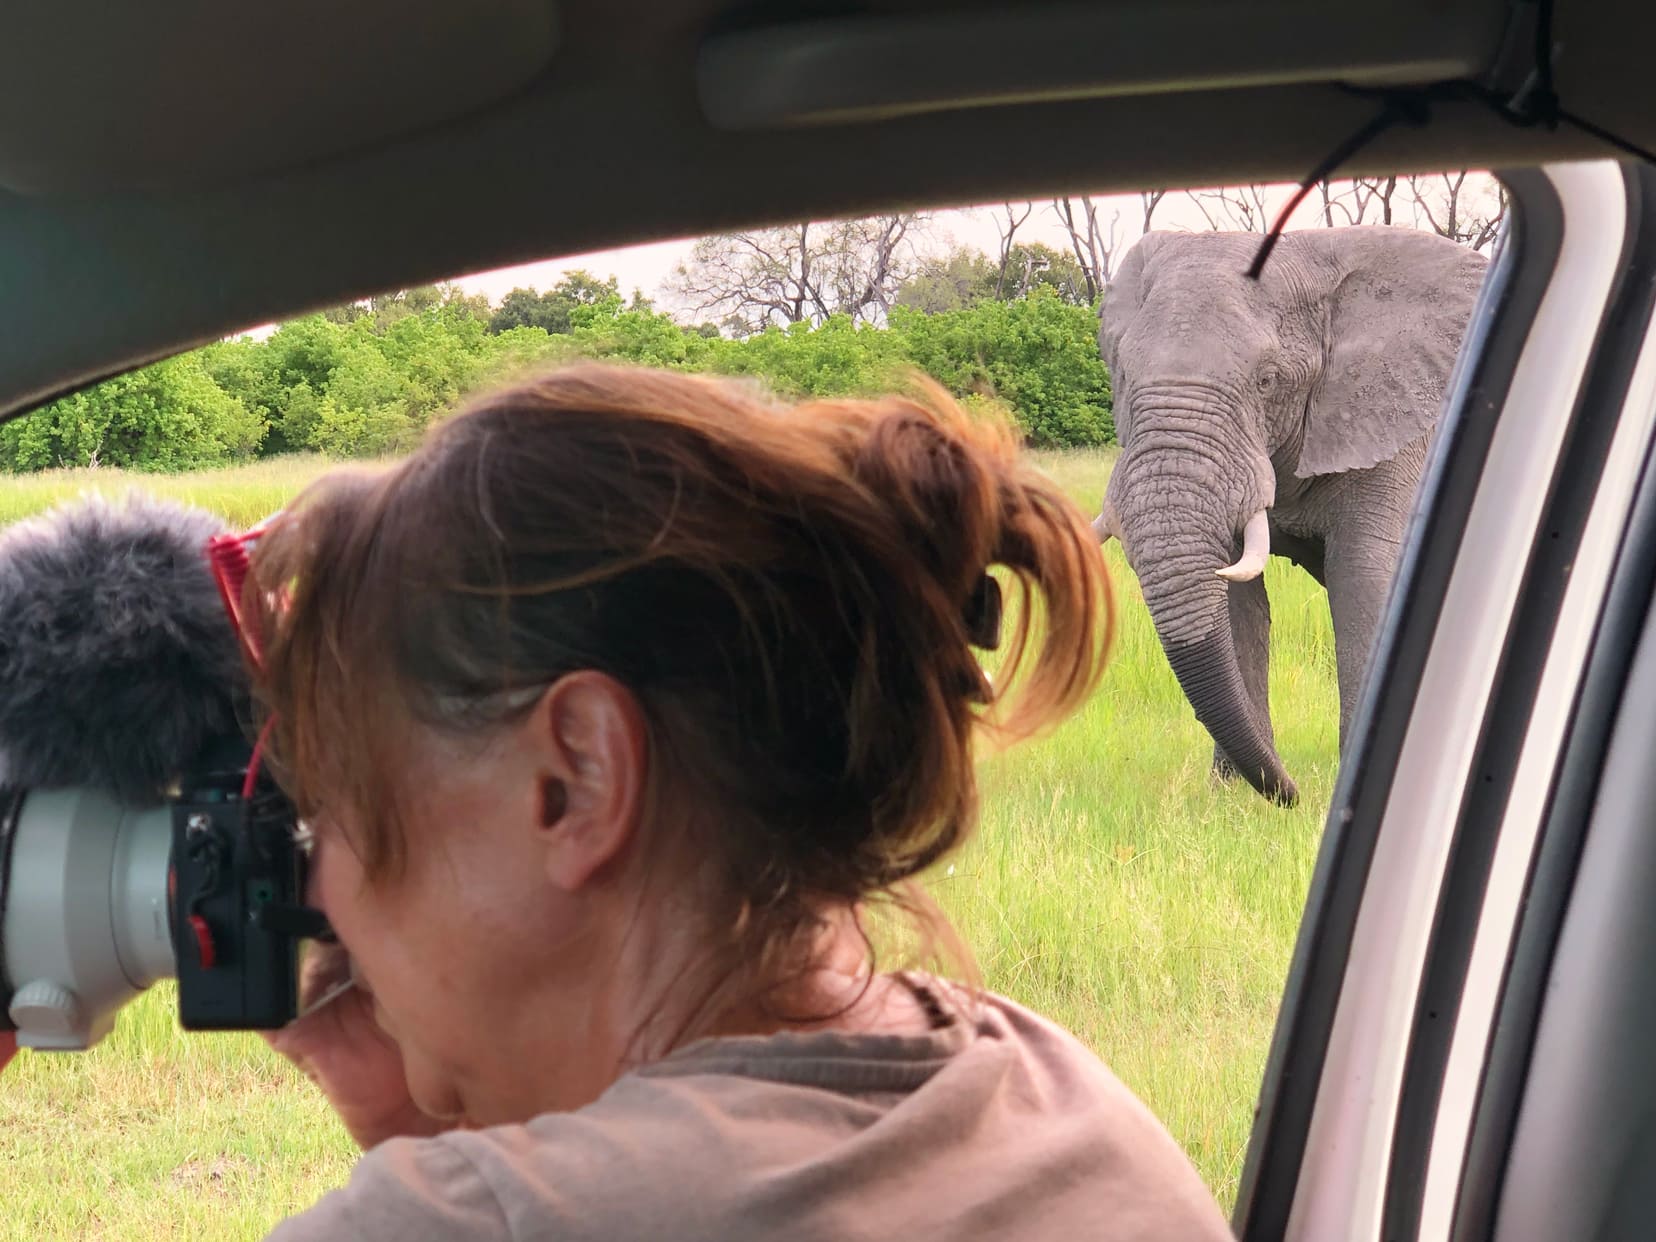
1236	207
1490	229
801	273
1349	203
1150	200
1470	214
1373	192
1014	222
1202	207
1093	244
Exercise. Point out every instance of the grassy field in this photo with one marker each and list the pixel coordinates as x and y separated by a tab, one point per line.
1113	887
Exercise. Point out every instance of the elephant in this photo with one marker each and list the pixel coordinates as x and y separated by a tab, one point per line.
1292	415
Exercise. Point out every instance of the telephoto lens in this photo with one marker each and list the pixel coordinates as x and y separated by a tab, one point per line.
84	918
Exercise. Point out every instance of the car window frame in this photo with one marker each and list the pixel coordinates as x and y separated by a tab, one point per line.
1280	1178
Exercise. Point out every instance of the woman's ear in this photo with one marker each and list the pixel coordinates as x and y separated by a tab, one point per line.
589	744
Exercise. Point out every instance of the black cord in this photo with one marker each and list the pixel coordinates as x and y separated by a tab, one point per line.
1535	104
1398	109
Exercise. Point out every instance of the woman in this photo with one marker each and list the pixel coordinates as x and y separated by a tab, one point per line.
624	713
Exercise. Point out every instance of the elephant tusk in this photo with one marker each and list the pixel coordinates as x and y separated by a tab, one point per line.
1256	549
1106	526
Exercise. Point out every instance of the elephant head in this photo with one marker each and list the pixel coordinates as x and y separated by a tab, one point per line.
1230	390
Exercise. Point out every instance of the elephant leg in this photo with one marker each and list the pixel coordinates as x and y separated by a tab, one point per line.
1360	562
1304	552
1250	621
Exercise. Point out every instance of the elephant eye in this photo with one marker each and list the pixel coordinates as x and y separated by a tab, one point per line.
1266	379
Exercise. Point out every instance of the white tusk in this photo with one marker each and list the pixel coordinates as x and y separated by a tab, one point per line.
1106	526
1256	549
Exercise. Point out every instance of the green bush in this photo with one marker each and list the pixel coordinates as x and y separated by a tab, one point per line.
167	416
368	380
836	359
1038	354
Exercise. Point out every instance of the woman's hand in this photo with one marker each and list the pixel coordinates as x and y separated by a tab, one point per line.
341	1048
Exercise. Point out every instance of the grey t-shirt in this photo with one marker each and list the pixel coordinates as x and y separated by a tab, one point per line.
998	1125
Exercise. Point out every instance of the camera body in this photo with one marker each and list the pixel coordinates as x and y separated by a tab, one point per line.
236	891
98	900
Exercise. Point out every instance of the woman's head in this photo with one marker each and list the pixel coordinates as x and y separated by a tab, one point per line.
624	632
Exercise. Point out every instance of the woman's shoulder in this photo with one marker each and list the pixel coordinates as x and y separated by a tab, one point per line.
735	1138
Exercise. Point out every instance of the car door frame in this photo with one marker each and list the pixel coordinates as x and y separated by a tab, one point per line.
1377	1070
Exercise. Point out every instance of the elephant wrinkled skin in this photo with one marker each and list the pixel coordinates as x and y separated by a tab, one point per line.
1289	415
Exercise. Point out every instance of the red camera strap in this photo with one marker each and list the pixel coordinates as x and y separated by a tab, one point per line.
231	565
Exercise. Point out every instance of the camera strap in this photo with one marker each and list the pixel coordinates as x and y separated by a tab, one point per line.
11	811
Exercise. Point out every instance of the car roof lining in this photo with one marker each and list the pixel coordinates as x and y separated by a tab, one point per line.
243	89
610	146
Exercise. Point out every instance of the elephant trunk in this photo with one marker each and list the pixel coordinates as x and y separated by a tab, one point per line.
1183	535
1212	680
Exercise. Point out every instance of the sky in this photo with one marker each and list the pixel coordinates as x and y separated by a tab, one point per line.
648	267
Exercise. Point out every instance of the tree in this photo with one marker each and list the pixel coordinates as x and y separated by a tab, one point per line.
166	416
554	310
1037	354
1093	244
1036	266
345	313
1469	213
801	273
963	277
291	369
1376	192
966	277
1016	216
388	308
1331	201
437	356
640	334
370	377
1241	207
237	367
1350	202
835	358
1150	200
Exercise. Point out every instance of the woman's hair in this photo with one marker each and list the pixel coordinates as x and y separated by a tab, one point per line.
790	591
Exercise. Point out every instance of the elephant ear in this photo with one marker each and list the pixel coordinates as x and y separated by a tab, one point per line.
1399	307
1125	294
1123	297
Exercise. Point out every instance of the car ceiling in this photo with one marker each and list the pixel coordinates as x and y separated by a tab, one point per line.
176	171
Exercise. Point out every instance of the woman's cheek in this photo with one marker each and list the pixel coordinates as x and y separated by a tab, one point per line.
334	884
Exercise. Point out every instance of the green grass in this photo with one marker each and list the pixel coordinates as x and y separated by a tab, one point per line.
242	495
1113	886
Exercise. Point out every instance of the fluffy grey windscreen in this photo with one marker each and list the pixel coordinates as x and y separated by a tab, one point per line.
117	661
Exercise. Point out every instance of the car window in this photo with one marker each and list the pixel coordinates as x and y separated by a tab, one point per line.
1134	878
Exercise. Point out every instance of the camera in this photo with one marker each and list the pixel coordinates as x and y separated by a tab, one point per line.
100	899
141	837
